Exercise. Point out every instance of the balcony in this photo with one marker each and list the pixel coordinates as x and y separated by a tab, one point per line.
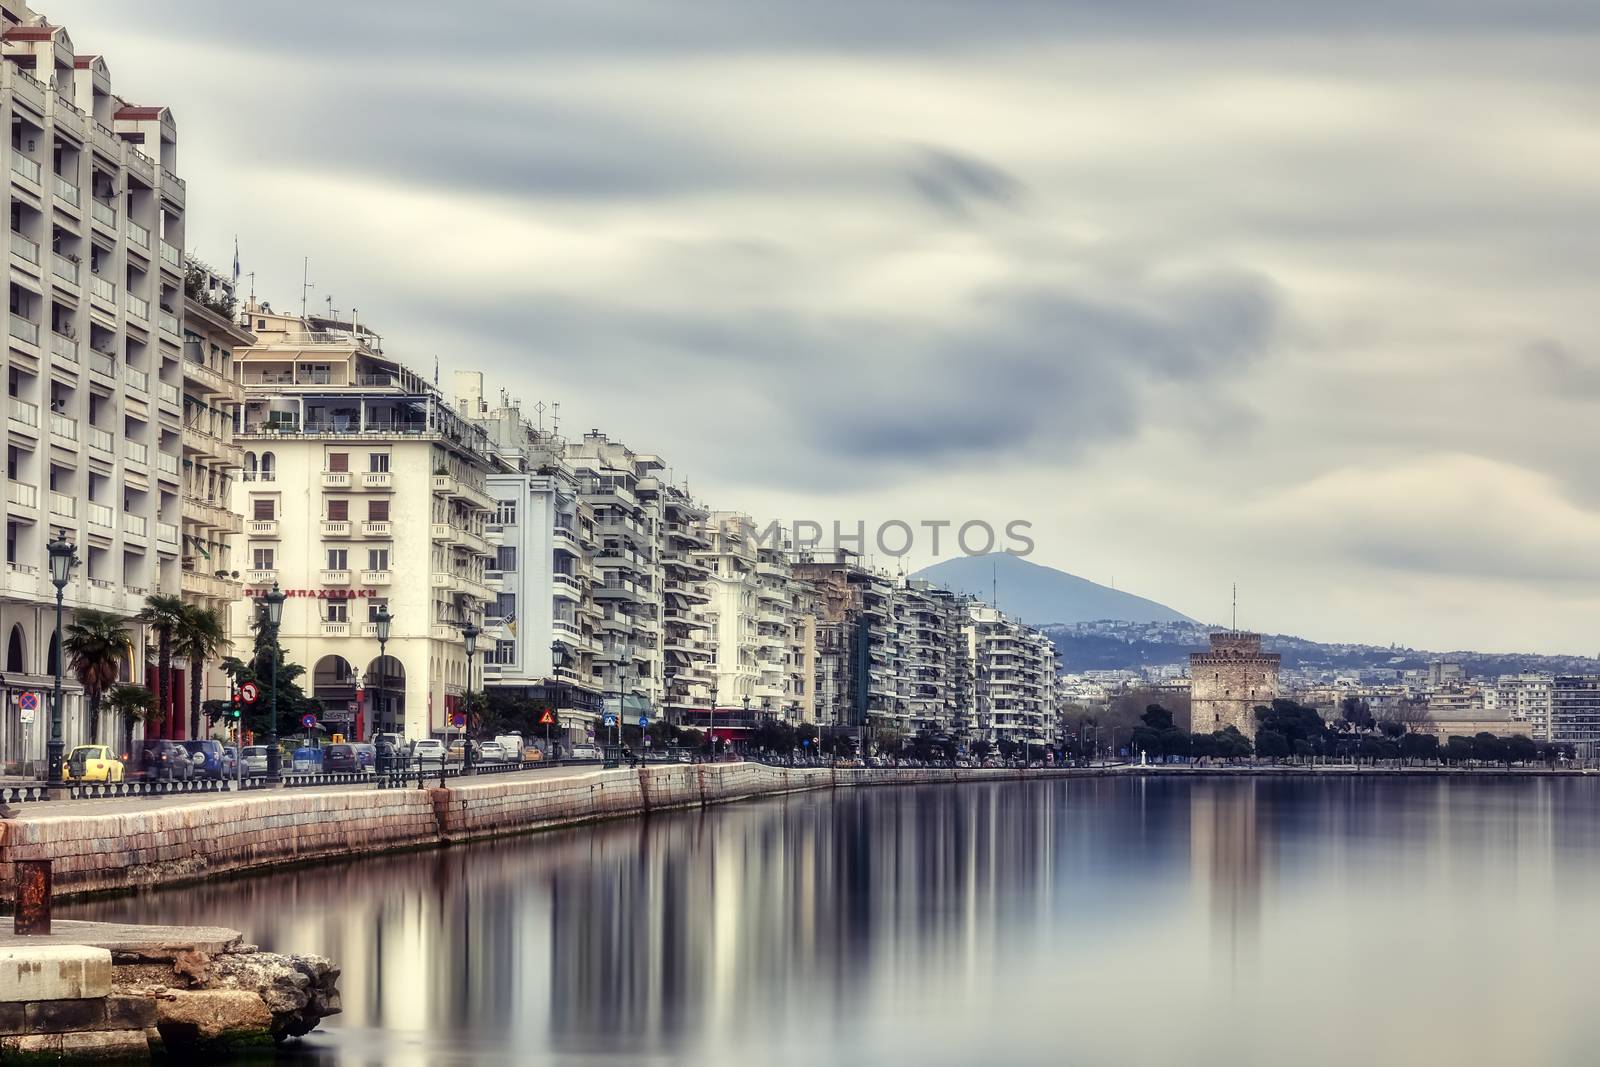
261	575
63	348
25	248
23	330
261	527
375	578
23	167
103	213
101	440
441	531
138	235
443	580
167	534
341	578
135	525
102	364
448	485
66	191
171	256
335	479
137	452
137	379
101	515
335	528
167	464
22	413
22	494
377	480
169	394
169	323
63	427
377	528
209	586
138	307
67	270
103	289
335	628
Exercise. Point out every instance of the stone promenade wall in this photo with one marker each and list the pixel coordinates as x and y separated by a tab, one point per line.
108	850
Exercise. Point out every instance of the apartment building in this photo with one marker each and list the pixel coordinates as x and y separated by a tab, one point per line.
621	488
930	666
1014	670
686	679
1575	709
541	623
362	489
211	571
93	377
1525	698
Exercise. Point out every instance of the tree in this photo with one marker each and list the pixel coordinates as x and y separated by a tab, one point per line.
198	637
163	614
1156	718
981	749
1520	749
1271	744
96	643
1489	748
1297	723
133	704
292	700
1357	712
1419	747
1458	749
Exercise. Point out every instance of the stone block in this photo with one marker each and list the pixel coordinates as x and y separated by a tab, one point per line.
60	1016
53	972
130	1013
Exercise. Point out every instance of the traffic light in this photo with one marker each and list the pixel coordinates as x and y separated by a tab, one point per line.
235	710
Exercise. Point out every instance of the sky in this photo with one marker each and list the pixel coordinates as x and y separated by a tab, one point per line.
1291	295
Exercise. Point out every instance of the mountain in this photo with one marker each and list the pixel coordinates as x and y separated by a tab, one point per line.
1038	595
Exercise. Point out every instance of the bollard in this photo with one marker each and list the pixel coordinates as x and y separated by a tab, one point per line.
32	898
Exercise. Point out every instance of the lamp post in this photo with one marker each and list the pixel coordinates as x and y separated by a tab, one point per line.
613	752
62	558
747	721
382	620
469	634
558	660
272	615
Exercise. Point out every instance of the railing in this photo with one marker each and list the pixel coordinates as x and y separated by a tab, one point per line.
335	479
262	527
103	212
101	440
261	575
27	168
335	528
376	528
167	463
63	347
375	578
22	494
137	451
167	533
23	330
63	427
335	577
170	393
139	307
18	794
63	505
137	379
66	190
137	525
139	235
377	480
64	268
102	288
100	515
334	628
101	363
169	322
23	412
149	787
171	255
24	247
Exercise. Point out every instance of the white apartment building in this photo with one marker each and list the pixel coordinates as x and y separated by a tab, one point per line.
362	488
1015	675
93	379
687	681
1524	698
542	575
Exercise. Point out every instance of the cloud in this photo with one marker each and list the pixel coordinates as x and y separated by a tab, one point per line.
958	184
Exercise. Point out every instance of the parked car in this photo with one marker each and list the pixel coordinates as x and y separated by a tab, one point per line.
427	750
512	743
92	763
493	751
341	758
397	740
585	752
458	751
165	761
366	755
208	758
255	761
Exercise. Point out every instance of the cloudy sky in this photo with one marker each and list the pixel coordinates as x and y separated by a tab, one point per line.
1293	294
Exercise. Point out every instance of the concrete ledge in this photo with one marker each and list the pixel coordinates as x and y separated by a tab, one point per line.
53	972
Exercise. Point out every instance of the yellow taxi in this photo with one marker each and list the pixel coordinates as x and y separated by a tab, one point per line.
92	763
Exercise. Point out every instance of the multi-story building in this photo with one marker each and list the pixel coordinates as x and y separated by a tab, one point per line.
730	556
211	574
1575	709
362	488
93	377
686	681
541	623
1228	681
1525	698
1014	678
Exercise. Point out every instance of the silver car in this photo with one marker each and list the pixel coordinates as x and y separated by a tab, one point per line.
493	751
428	750
255	761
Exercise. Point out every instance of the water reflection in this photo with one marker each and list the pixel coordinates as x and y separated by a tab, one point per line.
1014	920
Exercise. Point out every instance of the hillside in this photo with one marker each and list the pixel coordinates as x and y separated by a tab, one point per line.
1039	595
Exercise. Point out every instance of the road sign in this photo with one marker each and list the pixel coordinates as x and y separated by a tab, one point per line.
644	720
249	692
547	719
27	704
308	720
459	720
609	720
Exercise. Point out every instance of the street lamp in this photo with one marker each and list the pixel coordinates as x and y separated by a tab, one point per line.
382	620
558	660
469	634
272	615
63	556
625	659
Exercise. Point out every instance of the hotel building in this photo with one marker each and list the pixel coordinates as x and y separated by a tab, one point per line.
362	488
93	371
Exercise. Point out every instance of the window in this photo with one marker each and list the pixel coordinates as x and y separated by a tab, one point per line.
338	611
505	606
373	605
377	559
377	511
505	513
249	457
261	559
338	511
504	652
338	461
338	559
269	467
506	558
378	462
263	508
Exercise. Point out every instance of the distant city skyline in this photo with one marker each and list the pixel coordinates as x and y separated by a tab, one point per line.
1280	295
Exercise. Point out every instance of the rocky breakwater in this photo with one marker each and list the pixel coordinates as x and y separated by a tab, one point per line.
128	991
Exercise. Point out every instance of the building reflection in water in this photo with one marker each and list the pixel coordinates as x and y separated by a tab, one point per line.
1225	856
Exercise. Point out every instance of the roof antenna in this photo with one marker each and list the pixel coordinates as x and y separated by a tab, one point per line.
305	283
539	410
994	585
1235	607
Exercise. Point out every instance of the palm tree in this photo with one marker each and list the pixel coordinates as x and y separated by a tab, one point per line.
163	614
198	638
96	643
133	704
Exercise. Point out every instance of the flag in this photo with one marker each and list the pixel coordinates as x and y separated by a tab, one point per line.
236	261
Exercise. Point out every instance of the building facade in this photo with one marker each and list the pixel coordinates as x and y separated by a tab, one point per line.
93	377
362	488
1575	709
1229	681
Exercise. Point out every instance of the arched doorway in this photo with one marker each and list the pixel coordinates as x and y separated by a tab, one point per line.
386	695
333	684
16	652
